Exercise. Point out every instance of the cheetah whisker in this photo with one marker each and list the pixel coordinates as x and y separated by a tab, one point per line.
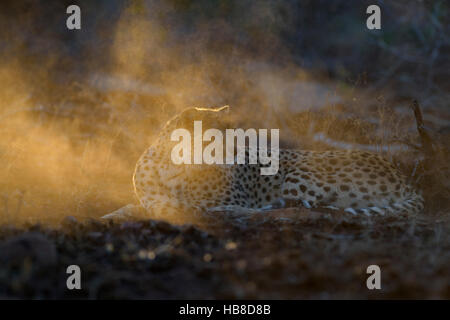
366	212
377	210
351	210
306	204
331	207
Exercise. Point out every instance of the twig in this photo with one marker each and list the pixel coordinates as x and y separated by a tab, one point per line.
427	144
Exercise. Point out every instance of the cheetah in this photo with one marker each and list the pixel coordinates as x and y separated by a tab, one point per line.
357	182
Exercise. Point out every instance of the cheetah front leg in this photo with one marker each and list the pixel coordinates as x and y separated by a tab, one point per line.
239	210
152	209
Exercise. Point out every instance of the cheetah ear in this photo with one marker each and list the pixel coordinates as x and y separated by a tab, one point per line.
225	109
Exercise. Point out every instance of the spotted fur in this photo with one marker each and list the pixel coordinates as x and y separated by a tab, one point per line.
357	182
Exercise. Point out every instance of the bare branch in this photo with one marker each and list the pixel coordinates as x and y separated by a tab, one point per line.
427	144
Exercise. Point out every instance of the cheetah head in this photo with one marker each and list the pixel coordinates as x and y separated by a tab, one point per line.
209	117
158	156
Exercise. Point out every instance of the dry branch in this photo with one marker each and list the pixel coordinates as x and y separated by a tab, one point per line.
426	141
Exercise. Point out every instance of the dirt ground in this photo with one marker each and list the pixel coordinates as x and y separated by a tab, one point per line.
300	255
